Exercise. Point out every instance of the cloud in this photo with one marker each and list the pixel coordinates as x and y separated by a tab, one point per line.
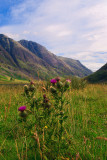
93	65
13	36
75	29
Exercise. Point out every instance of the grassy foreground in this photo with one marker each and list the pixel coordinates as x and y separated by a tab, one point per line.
84	134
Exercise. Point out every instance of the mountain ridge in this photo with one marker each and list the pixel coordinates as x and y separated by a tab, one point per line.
100	76
75	64
29	58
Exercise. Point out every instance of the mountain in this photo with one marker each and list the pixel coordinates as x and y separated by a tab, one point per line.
98	76
76	67
57	65
27	59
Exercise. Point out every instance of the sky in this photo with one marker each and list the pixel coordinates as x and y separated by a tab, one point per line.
70	28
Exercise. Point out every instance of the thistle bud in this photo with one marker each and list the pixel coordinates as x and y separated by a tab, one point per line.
67	84
57	79
59	85
34	99
31	82
46	100
23	114
53	90
48	105
44	96
26	88
32	88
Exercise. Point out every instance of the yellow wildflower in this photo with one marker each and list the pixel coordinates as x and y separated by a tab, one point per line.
45	127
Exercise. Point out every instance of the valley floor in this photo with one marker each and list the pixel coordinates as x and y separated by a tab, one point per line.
84	135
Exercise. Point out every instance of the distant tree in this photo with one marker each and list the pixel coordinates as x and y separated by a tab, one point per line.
11	79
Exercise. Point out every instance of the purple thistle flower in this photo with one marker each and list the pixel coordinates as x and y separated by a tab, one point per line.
68	80
53	81
22	108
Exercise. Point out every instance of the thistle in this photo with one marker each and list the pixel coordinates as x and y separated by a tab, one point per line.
53	81
22	112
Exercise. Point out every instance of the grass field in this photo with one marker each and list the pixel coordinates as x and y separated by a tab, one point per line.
84	134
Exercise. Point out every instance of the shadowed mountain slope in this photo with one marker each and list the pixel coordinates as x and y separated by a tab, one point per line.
15	58
98	76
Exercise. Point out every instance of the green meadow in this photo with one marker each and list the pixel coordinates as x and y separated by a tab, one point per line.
42	135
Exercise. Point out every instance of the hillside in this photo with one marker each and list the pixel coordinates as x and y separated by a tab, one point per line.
27	59
98	76
52	60
76	67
